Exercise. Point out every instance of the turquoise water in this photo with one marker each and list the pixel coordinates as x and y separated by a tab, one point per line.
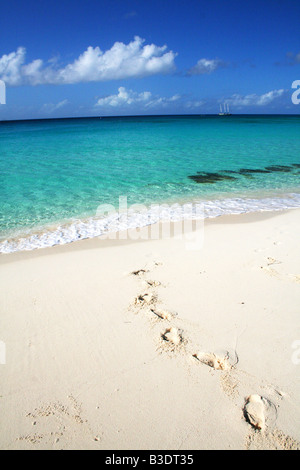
56	171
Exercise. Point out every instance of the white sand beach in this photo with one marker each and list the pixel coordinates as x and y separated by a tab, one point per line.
150	345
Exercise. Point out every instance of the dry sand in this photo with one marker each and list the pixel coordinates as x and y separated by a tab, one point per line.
150	345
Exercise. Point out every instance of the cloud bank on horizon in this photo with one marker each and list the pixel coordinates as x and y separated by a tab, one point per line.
254	99
122	61
128	98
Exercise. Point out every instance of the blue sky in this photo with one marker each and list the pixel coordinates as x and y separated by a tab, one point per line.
73	58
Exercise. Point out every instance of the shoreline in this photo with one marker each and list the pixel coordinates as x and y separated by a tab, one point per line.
92	362
93	227
125	238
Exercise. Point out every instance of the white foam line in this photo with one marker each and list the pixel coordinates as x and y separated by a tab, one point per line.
95	227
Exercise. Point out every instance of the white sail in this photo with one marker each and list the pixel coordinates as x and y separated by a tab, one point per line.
224	109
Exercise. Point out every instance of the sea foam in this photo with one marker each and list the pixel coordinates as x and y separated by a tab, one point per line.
118	222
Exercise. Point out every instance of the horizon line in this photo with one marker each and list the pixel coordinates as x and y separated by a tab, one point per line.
145	116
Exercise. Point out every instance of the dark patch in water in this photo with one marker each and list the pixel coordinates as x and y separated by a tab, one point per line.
204	177
279	168
208	177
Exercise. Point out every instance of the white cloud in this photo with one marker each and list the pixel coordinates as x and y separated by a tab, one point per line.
124	97
254	99
162	101
121	61
205	66
129	97
10	66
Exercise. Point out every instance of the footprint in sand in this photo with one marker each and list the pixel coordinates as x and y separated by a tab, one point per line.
214	361
255	412
259	412
146	282
144	299
226	364
162	314
173	336
142	271
139	272
150	283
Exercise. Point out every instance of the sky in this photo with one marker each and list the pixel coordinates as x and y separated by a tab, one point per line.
73	58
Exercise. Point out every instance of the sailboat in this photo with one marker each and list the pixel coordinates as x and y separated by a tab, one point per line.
226	110
221	111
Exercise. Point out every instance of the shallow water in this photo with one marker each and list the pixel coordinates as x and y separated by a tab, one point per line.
55	174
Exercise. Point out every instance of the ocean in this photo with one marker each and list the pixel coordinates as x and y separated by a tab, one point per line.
55	174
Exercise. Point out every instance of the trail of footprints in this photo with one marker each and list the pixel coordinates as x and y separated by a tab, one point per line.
258	411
